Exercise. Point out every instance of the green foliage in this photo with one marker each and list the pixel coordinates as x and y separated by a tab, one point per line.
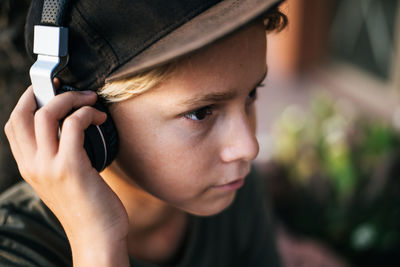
342	173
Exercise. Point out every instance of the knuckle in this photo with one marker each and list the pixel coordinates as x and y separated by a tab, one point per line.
71	123
87	109
7	128
16	114
43	115
26	172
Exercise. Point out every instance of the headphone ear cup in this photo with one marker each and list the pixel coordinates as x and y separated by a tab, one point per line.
101	142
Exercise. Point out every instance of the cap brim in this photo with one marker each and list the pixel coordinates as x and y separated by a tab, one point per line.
204	29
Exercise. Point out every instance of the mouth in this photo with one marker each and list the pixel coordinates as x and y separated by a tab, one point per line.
232	186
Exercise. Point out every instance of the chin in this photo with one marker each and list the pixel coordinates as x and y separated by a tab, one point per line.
213	207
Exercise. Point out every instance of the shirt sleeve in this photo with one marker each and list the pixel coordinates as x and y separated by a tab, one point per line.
29	234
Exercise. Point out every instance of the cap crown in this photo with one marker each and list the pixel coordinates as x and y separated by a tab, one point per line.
104	35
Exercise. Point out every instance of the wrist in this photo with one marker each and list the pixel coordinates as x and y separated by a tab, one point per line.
102	253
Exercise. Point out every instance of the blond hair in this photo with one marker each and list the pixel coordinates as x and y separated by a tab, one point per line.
124	89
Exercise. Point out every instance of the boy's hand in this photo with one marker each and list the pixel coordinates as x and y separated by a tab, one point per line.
59	170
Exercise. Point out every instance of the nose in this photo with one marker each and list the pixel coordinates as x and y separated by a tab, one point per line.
240	142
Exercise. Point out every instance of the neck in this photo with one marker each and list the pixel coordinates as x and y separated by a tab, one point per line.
156	229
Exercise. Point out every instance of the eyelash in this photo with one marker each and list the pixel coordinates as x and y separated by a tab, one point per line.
252	97
202	113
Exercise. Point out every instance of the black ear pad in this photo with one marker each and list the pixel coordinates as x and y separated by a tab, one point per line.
101	142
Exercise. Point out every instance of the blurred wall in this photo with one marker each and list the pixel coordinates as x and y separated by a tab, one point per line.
303	45
13	76
350	48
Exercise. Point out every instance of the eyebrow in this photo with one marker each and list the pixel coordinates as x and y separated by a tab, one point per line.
200	99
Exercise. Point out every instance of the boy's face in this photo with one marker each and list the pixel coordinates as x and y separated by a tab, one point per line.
190	140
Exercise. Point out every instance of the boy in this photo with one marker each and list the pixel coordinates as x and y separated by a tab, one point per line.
180	87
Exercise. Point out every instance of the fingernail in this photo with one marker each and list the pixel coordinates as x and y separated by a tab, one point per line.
87	92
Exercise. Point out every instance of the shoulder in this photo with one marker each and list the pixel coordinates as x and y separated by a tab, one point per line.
30	235
20	204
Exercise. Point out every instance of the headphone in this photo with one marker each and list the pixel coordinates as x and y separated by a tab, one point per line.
51	45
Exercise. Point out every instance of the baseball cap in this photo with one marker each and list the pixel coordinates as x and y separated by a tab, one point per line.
113	40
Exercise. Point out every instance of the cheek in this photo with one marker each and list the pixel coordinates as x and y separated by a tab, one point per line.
166	162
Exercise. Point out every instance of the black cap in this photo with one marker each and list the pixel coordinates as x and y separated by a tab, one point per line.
111	40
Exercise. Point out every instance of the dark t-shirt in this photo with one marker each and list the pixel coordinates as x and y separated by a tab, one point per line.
242	235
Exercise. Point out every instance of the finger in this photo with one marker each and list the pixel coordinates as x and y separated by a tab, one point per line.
47	118
20	127
72	132
56	83
15	148
63	103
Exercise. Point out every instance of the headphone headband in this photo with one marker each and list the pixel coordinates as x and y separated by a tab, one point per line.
53	12
51	45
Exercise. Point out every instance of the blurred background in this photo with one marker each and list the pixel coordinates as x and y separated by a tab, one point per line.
14	78
329	121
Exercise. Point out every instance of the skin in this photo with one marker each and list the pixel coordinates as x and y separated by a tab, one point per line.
180	151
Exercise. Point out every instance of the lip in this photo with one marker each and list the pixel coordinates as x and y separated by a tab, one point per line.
232	186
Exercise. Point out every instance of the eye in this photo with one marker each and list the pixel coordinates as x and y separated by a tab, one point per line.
252	97
199	114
